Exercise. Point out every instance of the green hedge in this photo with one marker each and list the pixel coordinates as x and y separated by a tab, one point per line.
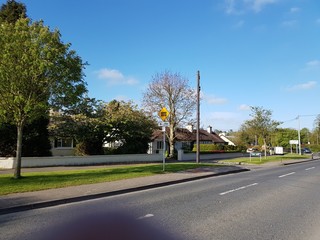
207	148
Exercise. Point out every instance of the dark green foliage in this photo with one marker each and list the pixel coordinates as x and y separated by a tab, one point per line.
218	148
208	147
315	148
8	140
12	11
129	126
89	147
35	140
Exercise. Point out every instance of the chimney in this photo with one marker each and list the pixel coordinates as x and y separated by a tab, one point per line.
209	129
189	127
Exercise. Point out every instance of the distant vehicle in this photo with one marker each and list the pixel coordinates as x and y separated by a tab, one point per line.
306	150
278	150
255	154
250	150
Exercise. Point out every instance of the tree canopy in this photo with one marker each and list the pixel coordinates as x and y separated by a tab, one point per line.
37	71
12	11
172	91
129	126
261	124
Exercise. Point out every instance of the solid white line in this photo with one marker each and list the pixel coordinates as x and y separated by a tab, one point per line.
236	189
286	174
310	168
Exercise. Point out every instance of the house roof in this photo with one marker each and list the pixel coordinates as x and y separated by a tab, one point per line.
184	135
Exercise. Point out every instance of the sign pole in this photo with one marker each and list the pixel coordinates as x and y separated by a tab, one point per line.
163	114
164	148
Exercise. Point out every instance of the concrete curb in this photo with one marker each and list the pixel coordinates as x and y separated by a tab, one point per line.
303	161
52	203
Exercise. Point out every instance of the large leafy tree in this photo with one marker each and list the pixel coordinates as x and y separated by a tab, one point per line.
83	123
36	137
316	131
261	124
37	71
129	126
172	91
282	137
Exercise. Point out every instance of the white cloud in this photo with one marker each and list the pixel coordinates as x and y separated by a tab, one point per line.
213	100
312	65
258	5
115	77
242	6
122	98
244	107
294	9
231	7
239	24
303	86
222	120
289	23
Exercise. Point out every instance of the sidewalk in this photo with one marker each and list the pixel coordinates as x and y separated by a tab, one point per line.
52	197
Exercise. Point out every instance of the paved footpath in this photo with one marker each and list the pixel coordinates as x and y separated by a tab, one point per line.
52	197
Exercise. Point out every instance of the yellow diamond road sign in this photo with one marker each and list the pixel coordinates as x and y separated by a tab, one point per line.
163	114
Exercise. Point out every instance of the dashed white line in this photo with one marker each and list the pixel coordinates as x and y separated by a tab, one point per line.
240	188
287	174
310	168
146	216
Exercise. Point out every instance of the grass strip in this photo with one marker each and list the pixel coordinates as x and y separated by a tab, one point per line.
36	181
273	158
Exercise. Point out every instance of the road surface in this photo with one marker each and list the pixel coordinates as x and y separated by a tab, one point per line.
272	203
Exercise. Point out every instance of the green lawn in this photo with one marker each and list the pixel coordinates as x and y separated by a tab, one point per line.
48	180
274	158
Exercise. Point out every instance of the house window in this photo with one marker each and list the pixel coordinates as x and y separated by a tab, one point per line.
159	145
63	143
186	145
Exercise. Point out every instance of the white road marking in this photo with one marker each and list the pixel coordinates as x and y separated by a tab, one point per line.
310	168
146	216
287	174
236	189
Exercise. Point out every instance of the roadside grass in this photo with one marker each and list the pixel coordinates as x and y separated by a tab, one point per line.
274	158
36	181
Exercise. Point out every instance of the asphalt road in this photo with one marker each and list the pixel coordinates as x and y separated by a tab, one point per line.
273	203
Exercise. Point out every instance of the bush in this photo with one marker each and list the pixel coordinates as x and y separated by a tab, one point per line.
209	148
313	147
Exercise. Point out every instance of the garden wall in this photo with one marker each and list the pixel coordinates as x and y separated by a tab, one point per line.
80	160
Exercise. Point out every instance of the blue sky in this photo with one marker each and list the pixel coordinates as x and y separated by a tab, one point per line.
249	52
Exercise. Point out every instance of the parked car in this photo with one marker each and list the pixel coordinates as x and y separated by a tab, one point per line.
250	150
306	151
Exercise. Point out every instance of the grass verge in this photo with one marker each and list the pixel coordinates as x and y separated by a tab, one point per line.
47	180
274	158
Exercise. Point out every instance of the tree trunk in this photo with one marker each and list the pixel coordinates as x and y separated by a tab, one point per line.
171	142
17	165
265	148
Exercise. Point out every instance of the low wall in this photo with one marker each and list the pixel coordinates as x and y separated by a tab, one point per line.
214	156
80	160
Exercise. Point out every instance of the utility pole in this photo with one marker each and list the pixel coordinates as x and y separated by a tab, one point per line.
299	135
198	118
